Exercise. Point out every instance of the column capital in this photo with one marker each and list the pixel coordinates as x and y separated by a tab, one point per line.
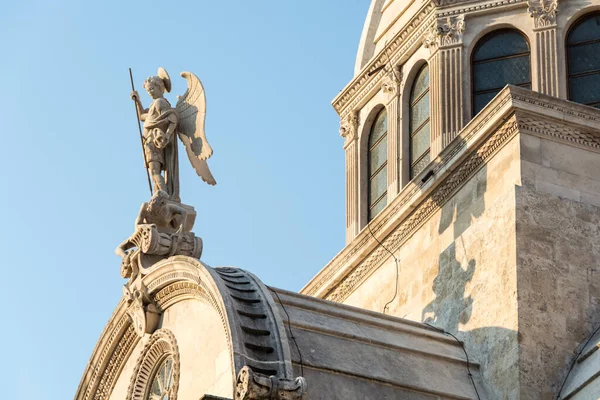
392	83
349	127
543	13
445	33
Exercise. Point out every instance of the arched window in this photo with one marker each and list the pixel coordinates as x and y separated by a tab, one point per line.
501	57
583	59
378	165
419	125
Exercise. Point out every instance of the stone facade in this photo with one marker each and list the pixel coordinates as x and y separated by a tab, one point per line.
500	247
496	239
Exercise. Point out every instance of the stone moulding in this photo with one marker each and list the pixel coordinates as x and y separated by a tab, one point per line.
509	112
400	47
116	343
252	325
162	344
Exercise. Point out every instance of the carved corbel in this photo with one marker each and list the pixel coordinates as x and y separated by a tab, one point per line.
144	314
543	12
349	127
254	386
446	32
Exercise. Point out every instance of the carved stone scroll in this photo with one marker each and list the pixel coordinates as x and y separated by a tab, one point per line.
254	386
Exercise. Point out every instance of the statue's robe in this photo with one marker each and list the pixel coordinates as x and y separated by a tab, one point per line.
161	115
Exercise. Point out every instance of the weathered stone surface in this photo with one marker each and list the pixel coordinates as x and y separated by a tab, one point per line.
507	259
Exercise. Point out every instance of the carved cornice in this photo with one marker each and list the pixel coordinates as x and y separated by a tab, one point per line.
480	7
446	32
543	12
331	282
564	133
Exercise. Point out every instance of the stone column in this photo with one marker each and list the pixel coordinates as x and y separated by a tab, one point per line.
445	81
391	87
348	130
543	13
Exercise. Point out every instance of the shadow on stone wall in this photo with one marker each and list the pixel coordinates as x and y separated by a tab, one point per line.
493	347
450	307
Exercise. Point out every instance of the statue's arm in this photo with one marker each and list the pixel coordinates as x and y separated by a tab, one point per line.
121	251
141	215
179	213
142	112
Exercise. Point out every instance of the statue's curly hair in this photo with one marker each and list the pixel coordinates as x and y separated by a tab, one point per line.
156	80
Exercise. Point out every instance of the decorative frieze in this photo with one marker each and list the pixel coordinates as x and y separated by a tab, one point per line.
543	12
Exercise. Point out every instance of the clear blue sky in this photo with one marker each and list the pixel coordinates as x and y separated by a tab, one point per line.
72	177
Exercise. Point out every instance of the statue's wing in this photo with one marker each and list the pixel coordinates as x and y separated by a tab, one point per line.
191	108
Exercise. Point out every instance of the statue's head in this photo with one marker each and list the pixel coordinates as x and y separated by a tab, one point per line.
157	201
157	85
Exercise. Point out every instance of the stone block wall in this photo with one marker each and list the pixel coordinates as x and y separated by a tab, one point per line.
558	259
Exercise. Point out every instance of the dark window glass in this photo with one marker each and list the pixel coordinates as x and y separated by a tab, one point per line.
583	60
419	125
500	58
378	165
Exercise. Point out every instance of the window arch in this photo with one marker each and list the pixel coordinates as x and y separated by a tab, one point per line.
378	165
501	57
583	60
419	123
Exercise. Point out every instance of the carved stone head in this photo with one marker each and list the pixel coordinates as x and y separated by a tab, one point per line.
157	202
157	85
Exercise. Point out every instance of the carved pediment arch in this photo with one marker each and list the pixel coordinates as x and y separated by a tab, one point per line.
253	334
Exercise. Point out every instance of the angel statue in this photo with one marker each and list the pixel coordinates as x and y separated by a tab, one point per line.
162	123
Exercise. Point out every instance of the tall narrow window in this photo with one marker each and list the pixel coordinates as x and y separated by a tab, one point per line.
500	58
583	59
419	125
378	165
